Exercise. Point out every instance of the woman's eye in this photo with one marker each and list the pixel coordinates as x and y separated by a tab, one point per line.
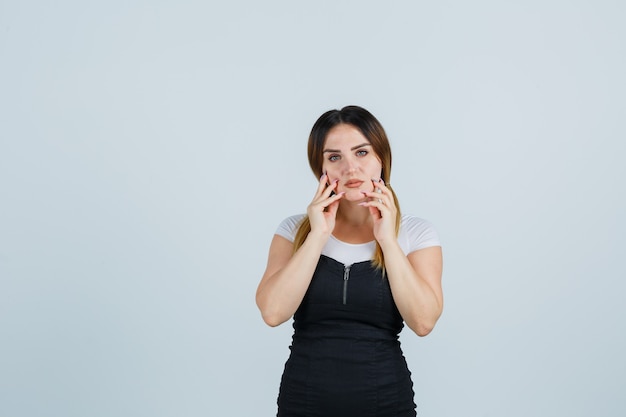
361	152
333	158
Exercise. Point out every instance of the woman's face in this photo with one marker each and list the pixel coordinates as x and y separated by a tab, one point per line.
350	159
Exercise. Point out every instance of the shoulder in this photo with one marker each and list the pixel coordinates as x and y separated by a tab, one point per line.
417	233
415	224
289	226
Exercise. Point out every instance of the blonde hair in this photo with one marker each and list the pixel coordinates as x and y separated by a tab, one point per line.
373	131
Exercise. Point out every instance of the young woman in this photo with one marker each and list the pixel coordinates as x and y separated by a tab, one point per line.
350	272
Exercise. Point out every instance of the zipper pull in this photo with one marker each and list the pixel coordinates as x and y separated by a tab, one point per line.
346	276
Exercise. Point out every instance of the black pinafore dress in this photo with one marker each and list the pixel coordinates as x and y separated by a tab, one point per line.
345	355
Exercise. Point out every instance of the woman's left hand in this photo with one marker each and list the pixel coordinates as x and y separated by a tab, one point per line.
383	210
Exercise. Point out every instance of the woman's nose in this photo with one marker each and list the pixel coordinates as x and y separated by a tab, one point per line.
351	165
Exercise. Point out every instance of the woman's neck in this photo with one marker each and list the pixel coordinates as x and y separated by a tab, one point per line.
352	214
353	223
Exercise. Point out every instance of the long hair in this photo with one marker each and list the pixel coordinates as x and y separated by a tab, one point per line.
373	131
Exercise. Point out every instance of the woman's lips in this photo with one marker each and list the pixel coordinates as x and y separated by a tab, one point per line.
353	184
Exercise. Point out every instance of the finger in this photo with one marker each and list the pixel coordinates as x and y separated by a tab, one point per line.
381	188
330	188
323	183
374	207
337	197
324	201
379	197
332	199
324	190
332	207
375	213
379	184
377	204
331	204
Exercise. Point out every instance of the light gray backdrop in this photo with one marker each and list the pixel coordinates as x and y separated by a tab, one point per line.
149	149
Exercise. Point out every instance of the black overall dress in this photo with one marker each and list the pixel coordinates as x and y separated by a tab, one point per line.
345	355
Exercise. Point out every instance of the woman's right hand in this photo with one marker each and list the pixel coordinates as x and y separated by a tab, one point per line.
323	209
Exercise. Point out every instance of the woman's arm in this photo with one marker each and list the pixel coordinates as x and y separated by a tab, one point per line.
415	279
415	282
287	277
288	274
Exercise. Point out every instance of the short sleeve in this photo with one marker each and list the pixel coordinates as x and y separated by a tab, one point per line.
288	227
417	234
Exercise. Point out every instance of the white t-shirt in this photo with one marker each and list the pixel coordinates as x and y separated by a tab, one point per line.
414	234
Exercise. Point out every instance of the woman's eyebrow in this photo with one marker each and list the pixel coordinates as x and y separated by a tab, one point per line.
353	148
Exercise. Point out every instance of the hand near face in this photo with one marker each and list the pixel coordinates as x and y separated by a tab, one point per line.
323	209
383	210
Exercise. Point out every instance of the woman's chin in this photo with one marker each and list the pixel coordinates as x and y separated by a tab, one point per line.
354	196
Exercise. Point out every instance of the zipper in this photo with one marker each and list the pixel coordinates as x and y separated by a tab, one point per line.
346	276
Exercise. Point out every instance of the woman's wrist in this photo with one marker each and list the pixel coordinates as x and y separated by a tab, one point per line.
389	245
316	238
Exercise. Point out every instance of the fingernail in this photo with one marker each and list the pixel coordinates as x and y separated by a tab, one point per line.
364	193
336	180
376	179
323	173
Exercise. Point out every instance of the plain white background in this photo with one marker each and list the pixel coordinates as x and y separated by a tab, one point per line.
149	149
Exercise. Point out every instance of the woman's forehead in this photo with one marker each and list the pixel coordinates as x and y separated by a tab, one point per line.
344	135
